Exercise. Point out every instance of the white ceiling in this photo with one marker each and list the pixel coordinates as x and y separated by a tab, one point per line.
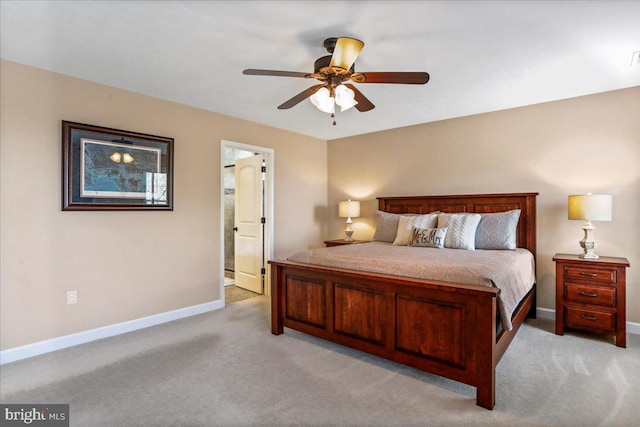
482	55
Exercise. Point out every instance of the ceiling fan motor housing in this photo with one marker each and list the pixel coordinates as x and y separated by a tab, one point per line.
321	63
330	44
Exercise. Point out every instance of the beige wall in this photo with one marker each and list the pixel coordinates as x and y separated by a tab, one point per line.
126	265
591	143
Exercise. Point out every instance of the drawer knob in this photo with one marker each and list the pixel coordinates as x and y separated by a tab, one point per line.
582	273
588	294
584	316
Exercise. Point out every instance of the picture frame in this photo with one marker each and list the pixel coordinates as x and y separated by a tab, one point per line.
112	169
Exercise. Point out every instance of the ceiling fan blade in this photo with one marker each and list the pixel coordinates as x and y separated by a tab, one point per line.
363	102
412	78
299	97
345	52
253	72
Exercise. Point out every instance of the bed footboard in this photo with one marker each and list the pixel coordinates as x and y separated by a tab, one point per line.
444	328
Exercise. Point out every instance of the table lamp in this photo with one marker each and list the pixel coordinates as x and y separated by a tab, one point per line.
349	209
589	207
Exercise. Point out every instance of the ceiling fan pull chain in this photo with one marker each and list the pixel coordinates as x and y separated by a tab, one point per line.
332	116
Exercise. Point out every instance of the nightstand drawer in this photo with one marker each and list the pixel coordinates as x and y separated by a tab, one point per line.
599	295
590	319
603	275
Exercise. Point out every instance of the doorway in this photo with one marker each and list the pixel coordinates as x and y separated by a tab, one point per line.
247	220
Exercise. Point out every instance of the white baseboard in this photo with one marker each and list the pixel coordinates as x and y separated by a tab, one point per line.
41	347
548	313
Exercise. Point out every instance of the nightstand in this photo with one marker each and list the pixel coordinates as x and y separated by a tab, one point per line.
590	295
339	242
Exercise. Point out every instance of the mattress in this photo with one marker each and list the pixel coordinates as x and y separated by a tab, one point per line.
513	272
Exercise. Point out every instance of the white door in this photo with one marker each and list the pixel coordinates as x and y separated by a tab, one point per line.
248	231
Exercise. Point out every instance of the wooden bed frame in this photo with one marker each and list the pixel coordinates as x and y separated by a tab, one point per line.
444	328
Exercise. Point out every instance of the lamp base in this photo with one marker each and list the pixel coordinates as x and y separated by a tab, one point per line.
588	250
349	231
587	243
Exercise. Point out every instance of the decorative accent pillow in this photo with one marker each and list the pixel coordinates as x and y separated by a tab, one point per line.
428	237
497	230
406	224
461	233
386	226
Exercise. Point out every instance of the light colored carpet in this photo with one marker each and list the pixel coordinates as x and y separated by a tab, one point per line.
226	369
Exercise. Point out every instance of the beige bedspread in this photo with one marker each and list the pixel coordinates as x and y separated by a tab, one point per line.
513	272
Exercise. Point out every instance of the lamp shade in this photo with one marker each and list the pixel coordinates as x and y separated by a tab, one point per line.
323	100
345	52
590	207
345	97
349	209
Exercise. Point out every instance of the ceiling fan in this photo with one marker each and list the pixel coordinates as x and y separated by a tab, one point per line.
334	71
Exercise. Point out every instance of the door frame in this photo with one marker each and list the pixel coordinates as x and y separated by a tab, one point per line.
269	155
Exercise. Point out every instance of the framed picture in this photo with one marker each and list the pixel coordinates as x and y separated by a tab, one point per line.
111	169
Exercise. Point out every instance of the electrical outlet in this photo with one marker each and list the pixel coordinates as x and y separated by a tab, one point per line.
72	297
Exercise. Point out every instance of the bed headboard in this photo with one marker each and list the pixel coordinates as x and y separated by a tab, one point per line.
478	203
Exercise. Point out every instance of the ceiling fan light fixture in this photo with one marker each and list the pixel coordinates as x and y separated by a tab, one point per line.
323	100
336	73
345	97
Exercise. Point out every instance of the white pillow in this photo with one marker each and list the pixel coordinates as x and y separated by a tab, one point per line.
428	237
406	224
497	230
461	229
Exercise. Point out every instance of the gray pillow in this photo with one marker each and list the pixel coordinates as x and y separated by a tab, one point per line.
497	230
386	226
428	237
